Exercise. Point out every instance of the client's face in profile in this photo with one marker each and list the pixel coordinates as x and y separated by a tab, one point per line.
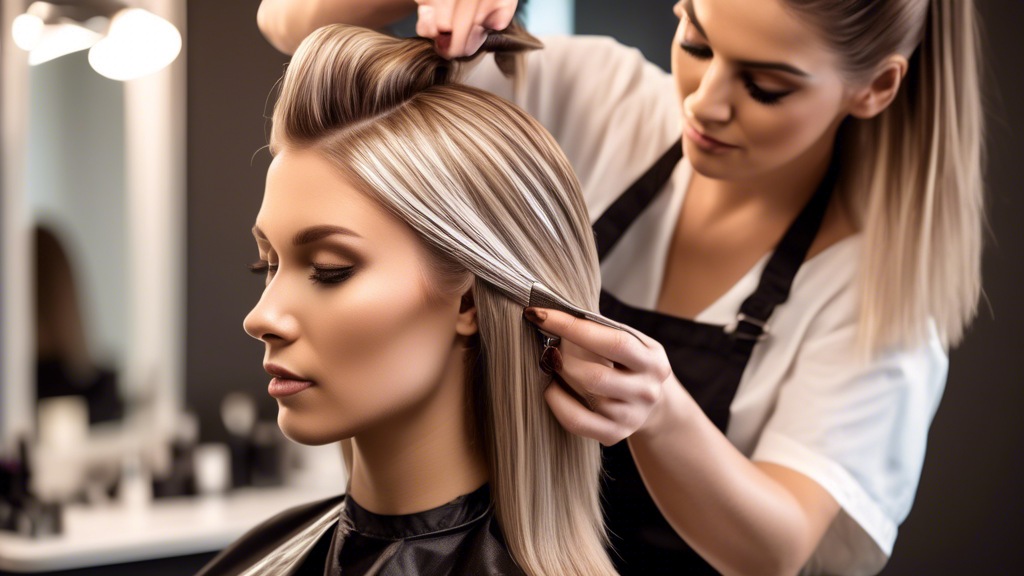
347	305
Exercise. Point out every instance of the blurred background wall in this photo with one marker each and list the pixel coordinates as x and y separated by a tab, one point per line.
968	515
231	71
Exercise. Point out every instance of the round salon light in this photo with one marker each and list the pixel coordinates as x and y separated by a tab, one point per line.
49	30
56	40
137	43
27	31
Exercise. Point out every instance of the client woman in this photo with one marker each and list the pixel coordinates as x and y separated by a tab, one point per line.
406	223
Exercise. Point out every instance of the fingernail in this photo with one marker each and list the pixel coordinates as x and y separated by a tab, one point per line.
551	359
535	315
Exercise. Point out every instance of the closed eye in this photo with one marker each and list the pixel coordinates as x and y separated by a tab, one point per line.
331	274
697	51
260	266
322	273
760	94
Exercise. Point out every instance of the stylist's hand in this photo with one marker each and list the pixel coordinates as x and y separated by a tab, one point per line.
459	27
620	379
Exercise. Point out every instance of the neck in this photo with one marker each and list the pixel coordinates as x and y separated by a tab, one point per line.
423	457
781	192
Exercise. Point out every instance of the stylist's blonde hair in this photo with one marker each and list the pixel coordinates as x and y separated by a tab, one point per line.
916	168
490	193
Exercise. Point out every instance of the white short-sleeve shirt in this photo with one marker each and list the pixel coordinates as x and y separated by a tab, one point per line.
805	401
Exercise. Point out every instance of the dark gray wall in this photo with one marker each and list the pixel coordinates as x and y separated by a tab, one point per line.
649	28
967	517
231	71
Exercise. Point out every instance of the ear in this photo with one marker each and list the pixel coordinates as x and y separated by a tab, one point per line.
466	324
873	99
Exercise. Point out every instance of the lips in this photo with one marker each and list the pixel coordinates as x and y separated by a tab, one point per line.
704	140
285	382
283	373
279	387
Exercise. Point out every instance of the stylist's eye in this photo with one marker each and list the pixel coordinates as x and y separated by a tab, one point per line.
761	95
697	51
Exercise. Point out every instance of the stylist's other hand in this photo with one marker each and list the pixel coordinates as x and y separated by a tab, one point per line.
459	27
620	380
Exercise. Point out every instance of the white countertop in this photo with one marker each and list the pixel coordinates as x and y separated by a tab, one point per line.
178	526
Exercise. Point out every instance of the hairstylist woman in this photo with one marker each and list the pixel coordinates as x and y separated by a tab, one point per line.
795	214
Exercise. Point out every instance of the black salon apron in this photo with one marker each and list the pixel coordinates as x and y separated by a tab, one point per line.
707	359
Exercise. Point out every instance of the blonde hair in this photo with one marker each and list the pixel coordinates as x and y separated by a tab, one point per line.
489	192
914	172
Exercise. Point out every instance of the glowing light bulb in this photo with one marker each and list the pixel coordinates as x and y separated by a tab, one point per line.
138	43
56	40
27	30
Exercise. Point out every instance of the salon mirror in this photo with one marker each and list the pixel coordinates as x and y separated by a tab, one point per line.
93	241
76	195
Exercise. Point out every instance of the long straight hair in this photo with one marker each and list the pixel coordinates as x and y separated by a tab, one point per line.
914	172
490	193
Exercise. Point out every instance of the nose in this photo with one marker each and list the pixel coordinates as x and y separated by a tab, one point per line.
270	320
710	103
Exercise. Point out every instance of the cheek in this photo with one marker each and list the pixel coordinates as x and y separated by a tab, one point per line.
789	129
380	346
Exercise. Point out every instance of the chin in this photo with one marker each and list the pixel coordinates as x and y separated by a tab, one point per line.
709	166
308	431
714	166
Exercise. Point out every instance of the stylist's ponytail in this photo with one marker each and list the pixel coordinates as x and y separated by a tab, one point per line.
913	173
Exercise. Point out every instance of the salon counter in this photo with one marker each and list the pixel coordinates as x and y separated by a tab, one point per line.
169	527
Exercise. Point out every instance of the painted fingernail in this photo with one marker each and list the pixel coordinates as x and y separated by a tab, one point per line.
551	359
535	315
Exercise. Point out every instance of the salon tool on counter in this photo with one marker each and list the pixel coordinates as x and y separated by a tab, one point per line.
135	488
20	510
179	478
63	433
270	454
238	413
213	468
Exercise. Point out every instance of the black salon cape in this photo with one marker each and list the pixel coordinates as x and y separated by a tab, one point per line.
460	537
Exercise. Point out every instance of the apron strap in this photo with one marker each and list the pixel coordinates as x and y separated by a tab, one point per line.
782	266
612	224
778	275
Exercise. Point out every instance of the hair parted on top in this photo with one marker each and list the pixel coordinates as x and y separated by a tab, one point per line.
381	72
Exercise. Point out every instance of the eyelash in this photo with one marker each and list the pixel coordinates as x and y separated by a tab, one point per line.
320	275
756	92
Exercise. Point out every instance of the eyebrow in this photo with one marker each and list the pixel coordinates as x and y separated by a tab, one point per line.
780	66
311	234
688	6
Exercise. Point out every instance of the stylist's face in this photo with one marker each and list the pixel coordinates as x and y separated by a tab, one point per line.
346	304
758	87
